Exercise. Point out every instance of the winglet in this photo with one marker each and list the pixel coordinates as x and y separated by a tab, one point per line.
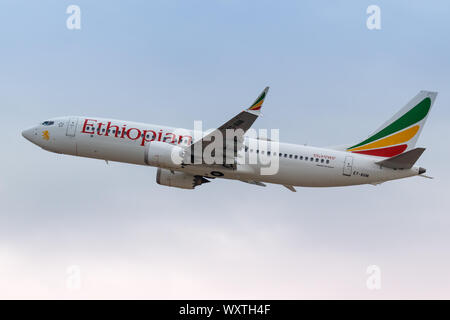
256	106
404	160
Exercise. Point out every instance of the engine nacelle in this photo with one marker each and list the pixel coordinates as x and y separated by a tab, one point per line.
178	179
162	154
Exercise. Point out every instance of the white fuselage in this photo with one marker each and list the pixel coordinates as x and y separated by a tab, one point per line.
126	141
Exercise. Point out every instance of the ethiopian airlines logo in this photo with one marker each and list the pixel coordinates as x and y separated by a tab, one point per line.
45	135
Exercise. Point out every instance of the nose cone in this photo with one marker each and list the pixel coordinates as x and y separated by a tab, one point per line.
30	134
27	134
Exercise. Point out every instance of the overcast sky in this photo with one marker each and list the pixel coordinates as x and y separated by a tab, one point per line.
332	80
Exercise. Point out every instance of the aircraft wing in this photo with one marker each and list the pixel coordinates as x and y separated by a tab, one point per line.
231	134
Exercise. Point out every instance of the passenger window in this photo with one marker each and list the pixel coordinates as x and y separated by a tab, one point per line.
290	156
296	156
301	157
285	155
328	161
281	154
268	153
262	151
312	159
306	158
321	160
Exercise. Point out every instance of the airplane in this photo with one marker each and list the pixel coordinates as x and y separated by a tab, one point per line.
389	153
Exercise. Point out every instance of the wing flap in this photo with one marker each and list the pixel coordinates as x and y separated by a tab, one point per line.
290	187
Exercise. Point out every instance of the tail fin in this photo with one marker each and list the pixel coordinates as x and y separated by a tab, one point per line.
400	133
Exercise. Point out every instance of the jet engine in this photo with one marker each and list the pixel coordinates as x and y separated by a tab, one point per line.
178	179
162	154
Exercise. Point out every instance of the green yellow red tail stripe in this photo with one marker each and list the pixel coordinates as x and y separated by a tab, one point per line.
397	138
259	101
385	152
393	138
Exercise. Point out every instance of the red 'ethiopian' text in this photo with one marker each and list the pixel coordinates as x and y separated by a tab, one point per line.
92	126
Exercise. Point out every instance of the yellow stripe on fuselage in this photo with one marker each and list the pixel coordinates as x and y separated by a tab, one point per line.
397	138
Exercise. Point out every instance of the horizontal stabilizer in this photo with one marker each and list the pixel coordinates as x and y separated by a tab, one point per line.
402	161
425	176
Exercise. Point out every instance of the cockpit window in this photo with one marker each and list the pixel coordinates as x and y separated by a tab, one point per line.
48	123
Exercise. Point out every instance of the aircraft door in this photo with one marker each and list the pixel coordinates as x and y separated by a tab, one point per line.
348	164
71	127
